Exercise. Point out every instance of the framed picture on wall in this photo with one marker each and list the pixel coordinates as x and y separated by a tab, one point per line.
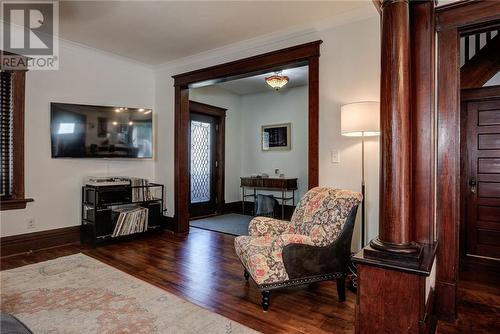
277	137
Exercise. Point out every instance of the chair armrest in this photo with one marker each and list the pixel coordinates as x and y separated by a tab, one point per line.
284	240
262	226
309	260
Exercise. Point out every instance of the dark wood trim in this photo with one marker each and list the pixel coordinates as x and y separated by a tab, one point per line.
28	242
17	200
476	94
14	204
181	160
313	119
206	109
304	54
448	173
466	13
220	115
423	121
279	59
423	268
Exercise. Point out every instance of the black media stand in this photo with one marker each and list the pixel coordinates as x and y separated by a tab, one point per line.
101	207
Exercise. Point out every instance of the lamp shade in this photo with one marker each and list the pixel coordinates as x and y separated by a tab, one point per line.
360	119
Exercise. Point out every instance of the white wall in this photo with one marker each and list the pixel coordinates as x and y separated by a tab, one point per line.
286	106
88	77
220	97
244	117
349	72
495	81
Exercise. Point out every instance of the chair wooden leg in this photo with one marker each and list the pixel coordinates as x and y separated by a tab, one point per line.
341	289
265	299
246	274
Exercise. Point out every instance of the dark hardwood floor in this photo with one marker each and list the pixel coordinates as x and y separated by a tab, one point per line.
478	299
202	267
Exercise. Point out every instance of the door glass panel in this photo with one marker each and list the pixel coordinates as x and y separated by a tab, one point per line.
200	161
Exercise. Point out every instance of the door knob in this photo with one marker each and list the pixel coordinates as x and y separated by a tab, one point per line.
472	184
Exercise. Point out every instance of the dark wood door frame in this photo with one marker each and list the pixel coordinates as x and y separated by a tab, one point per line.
220	115
452	20
300	55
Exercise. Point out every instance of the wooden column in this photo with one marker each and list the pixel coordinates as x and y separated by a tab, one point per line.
395	230
394	294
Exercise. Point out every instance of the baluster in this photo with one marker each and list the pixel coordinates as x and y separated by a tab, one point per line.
477	44
466	54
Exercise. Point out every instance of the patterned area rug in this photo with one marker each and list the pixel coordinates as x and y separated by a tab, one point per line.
78	294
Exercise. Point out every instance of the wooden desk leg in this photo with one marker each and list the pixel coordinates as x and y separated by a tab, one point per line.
243	200
254	200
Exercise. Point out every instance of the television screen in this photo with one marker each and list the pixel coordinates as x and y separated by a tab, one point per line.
83	131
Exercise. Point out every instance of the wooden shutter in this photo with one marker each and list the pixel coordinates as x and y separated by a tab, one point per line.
6	133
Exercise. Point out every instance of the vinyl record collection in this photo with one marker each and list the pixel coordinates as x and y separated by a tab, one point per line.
130	220
140	191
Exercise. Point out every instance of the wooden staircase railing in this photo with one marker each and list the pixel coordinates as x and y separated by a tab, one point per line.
479	58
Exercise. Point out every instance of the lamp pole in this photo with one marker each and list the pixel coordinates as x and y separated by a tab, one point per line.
363	189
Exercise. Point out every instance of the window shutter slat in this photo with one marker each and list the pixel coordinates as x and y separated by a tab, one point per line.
6	131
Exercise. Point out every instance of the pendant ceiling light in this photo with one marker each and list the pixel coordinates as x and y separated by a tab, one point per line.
277	81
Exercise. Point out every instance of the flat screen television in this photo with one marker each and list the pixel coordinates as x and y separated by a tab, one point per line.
85	131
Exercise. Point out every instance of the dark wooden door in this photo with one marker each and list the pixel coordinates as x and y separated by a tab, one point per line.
203	165
482	177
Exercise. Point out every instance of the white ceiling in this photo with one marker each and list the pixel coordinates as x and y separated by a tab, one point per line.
155	32
257	84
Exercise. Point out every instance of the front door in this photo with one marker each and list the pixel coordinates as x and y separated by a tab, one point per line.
203	165
482	184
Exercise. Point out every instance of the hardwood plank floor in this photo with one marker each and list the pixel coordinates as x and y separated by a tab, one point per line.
478	300
202	268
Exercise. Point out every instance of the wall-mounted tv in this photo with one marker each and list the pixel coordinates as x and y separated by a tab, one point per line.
85	131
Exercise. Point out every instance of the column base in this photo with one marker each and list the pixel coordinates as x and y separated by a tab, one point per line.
409	254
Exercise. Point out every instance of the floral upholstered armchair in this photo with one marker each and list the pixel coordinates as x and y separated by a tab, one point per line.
314	246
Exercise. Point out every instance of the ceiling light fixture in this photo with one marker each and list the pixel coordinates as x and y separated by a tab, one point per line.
141	110
148	111
277	81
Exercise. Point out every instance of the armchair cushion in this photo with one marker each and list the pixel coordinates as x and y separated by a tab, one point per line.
322	213
261	226
262	256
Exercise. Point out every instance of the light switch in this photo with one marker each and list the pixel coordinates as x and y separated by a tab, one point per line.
335	156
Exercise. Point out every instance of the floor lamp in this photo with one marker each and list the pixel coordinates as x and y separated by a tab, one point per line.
361	119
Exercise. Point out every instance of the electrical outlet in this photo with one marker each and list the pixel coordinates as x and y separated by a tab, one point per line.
335	156
31	223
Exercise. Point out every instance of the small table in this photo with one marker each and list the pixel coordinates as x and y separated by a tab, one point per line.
280	184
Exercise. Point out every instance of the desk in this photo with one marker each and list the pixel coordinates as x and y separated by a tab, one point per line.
283	185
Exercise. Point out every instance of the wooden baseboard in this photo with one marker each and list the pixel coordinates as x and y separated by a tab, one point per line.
27	242
235	207
169	223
